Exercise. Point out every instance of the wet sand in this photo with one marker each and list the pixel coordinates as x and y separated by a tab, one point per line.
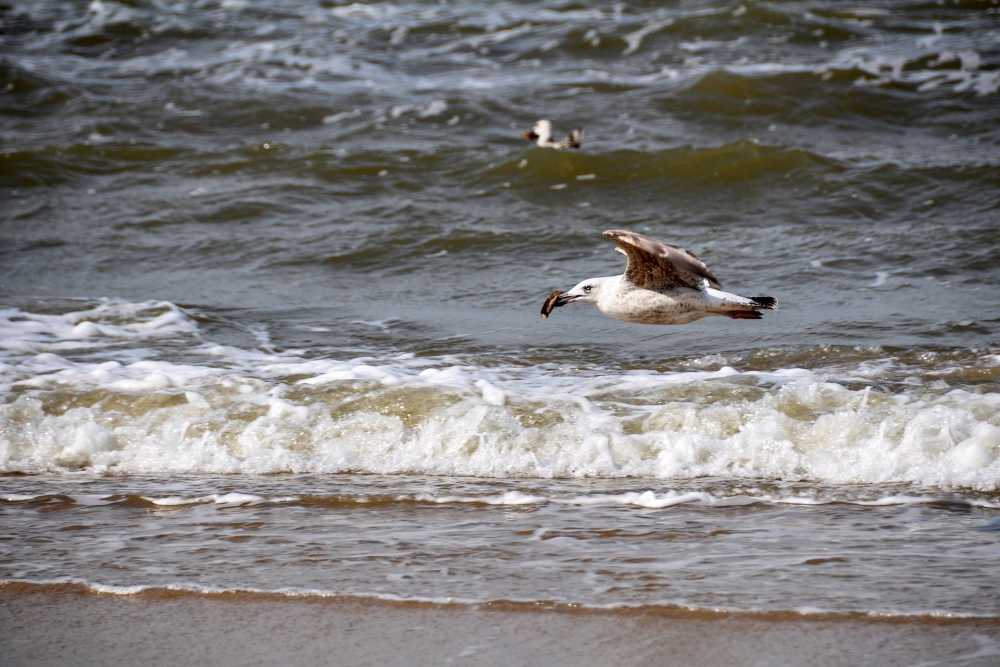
63	625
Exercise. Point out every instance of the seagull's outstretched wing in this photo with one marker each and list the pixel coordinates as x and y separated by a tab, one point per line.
660	266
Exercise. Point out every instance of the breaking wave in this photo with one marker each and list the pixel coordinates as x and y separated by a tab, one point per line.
227	409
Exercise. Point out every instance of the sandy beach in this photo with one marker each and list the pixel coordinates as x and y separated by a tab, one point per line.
65	625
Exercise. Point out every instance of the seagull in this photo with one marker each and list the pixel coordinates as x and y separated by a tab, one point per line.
541	134
662	284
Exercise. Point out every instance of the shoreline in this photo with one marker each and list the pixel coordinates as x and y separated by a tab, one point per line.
236	595
61	623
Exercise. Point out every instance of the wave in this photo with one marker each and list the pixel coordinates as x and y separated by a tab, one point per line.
729	163
784	90
173	591
108	321
224	409
288	178
648	499
52	165
30	89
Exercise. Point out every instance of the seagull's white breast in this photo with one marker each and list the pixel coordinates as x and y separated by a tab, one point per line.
634	304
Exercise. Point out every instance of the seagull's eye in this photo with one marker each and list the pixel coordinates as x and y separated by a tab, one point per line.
587	288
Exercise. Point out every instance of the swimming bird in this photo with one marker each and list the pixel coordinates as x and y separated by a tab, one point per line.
662	284
541	134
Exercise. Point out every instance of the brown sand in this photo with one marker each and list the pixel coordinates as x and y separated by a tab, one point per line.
63	625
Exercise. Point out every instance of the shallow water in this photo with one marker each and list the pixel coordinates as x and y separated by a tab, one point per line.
708	543
296	254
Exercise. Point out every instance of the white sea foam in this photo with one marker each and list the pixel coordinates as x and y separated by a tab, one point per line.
507	498
107	322
653	500
880	278
217	498
799	428
648	499
258	411
633	40
297	593
881	68
201	589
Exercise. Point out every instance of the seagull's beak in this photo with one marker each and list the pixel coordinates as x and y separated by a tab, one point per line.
556	299
563	299
530	135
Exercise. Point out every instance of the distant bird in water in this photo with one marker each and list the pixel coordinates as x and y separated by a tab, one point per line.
541	135
662	284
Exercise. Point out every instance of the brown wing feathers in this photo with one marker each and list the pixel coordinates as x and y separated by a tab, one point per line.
656	265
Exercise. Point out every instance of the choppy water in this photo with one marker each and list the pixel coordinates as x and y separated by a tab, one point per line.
271	278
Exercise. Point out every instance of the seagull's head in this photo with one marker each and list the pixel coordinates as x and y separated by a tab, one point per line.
540	133
585	291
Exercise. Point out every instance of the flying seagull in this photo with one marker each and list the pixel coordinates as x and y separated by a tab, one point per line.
541	134
662	284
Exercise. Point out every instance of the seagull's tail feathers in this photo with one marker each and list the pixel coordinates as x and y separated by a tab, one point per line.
739	307
751	307
575	138
766	302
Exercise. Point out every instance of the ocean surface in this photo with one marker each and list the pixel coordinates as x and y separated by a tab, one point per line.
270	279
